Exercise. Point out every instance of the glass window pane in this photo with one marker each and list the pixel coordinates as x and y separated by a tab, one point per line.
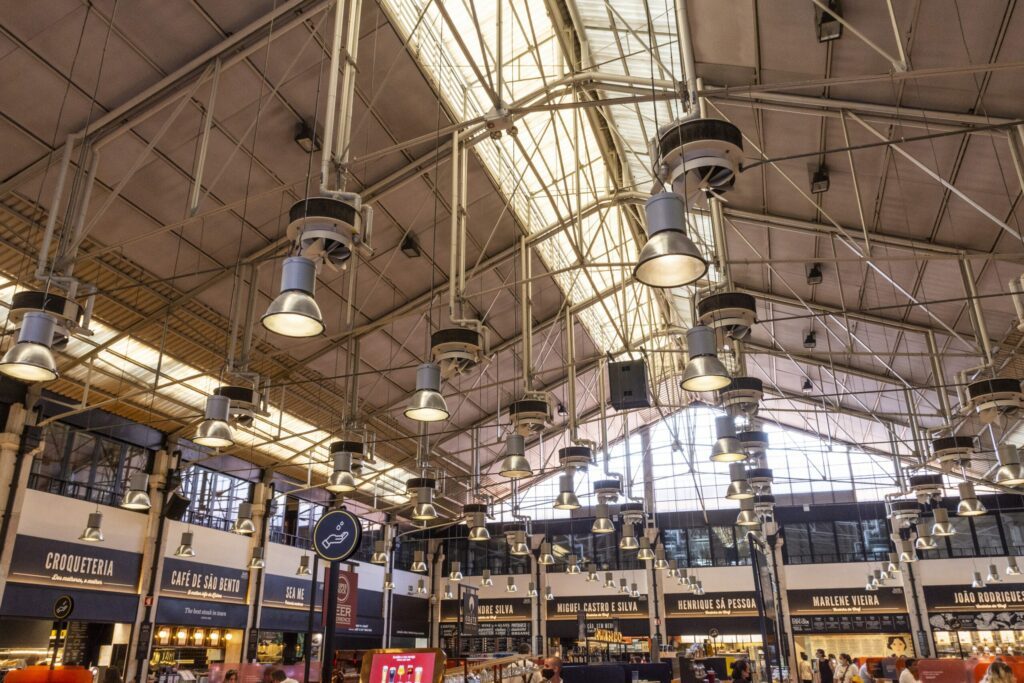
742	546
723	546
986	530
798	544
699	546
1013	527
876	539
675	546
823	542
851	546
962	542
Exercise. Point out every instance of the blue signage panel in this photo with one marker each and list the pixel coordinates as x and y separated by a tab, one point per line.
337	535
24	600
79	565
203	581
291	592
200	613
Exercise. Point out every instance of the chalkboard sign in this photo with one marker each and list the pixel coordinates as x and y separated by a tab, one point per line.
75	642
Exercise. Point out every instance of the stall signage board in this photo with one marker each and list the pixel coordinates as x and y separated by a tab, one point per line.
596	608
45	561
337	535
203	581
200	613
494	609
961	598
290	592
846	600
733	604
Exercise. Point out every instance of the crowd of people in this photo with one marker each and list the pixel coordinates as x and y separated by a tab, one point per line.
845	669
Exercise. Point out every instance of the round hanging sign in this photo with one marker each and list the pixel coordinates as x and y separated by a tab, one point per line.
337	535
63	607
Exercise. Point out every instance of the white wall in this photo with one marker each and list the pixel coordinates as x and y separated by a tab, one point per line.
835	575
46	515
212	546
960	571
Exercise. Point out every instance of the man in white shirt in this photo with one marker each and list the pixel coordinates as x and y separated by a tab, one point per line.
909	673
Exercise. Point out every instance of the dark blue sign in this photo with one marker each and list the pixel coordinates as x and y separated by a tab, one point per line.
204	581
77	565
200	613
336	535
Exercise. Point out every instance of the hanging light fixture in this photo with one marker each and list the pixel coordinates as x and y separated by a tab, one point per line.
602	520
380	553
659	558
137	495
925	541
942	525
879	578
341	479
448	595
609	580
485	578
893	566
1011	567
389	584
427	404
510	586
295	313
531	591
628	541
727	448
1010	472
645	553
567	499
669	258
476	520
906	551
423	488
704	372
214	431
698	588
747	516
871	585
419	561
592	573
421	586
548	595
993	574
545	558
977	582
673	568
739	487
303	569
572	565
969	505
257	561
518	545
515	465
243	524
634	592
456	571
185	548
30	359
93	532
623	586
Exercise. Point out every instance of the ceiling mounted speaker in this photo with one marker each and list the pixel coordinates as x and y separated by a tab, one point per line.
325	228
457	350
953	451
994	397
627	385
730	314
244	403
531	414
698	154
176	505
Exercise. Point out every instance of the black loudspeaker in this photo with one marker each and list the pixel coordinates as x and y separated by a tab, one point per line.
627	382
176	506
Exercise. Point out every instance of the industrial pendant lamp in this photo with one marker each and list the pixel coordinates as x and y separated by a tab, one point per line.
727	448
294	313
30	359
659	558
341	479
942	525
546	558
93	532
303	569
739	486
456	571
389	584
925	541
567	499
423	488
137	495
993	574
518	545
704	372
185	548
531	592
243	524
419	561
548	595
602	520
1010	472
427	404
380	553
485	578
871	585
969	505
609	580
421	587
448	595
673	568
478	532
1011	567
510	586
669	258
645	552
623	586
698	588
572	565
907	552
257	561
893	566
515	465
592	573
977	582
879	577
628	540
214	431
747	516
634	592
476	520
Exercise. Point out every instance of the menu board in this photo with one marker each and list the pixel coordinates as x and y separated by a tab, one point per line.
410	666
494	629
75	640
851	623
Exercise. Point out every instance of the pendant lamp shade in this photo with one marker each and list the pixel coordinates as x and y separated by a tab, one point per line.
969	505
747	516
136	497
485	578
942	525
515	465
448	595
214	431
257	561
628	540
925	541
545	558
566	499
978	582
518	546
609	580
295	313
303	569
669	258
185	548
31	359
427	404
455	574
341	479
1011	567
531	592
739	486
572	565
93	532
645	552
380	553
602	520
243	524
419	562
510	585
993	574
727	448
704	372
1010	472
659	558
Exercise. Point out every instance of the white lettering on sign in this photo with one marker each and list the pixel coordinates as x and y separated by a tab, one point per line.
602	607
79	564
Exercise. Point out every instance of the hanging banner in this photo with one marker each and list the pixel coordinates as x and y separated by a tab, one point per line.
348	598
846	600
711	604
469	614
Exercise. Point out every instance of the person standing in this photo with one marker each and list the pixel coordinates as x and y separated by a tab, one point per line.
909	673
806	671
741	671
845	670
866	672
824	667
